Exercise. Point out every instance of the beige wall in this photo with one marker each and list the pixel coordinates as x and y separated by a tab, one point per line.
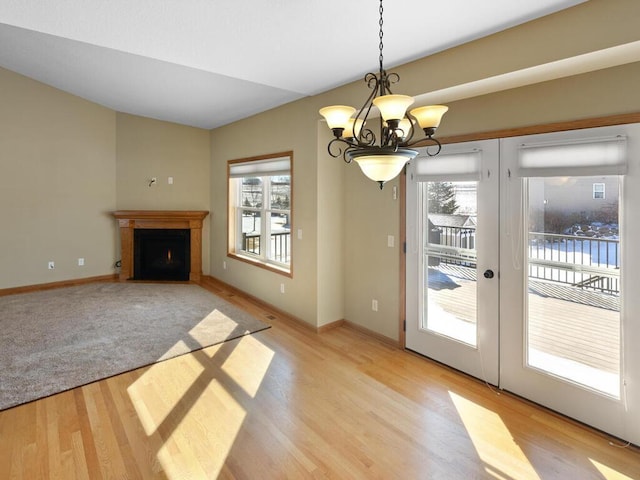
66	163
370	269
57	184
149	148
331	241
289	128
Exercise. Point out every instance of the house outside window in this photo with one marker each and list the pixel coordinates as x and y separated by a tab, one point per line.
598	191
260	211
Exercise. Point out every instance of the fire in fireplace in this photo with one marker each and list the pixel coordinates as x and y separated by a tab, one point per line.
161	254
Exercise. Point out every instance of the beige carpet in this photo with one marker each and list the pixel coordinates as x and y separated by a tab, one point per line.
54	340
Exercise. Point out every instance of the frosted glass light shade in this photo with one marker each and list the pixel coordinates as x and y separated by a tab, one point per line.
429	116
337	116
381	165
353	128
381	168
393	107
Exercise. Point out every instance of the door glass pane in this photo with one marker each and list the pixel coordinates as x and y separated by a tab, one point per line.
573	321
450	299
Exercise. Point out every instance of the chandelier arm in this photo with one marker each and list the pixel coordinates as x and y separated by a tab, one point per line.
391	79
395	141
387	135
336	149
412	130
345	158
429	139
372	81
438	144
365	136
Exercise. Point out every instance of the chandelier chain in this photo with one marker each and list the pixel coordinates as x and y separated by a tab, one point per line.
381	34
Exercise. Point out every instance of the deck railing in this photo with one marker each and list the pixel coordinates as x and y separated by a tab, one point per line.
452	245
280	245
585	262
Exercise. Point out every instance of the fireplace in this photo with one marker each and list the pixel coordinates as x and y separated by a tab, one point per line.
161	254
134	224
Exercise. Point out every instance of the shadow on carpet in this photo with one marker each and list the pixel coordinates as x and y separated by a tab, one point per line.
55	340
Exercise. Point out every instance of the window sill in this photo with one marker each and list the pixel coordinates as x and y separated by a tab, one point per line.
287	272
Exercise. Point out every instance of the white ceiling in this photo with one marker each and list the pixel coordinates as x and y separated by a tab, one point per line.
207	63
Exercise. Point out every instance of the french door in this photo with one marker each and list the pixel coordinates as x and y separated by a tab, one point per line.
568	312
522	269
452	258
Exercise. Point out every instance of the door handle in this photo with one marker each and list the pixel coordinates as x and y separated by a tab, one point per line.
488	273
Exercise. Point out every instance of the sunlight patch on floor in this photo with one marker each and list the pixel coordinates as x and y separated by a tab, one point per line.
193	406
608	472
198	444
248	363
492	440
215	322
156	393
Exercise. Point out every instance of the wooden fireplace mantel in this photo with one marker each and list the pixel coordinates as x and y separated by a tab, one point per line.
129	220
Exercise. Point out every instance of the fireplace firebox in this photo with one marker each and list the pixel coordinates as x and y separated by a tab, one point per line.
161	254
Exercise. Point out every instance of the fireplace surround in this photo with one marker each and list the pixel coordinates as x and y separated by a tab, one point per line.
131	220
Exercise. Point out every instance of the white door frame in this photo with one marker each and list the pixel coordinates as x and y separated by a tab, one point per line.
620	417
480	361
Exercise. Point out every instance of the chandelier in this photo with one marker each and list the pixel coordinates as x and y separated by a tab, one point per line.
382	157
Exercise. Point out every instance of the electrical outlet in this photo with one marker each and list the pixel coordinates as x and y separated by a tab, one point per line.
52	265
374	305
282	288
224	265
81	262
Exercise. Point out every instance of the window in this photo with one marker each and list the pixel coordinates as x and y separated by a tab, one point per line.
260	210
573	271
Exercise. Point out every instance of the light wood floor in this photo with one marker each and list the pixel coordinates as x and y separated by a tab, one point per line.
290	403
